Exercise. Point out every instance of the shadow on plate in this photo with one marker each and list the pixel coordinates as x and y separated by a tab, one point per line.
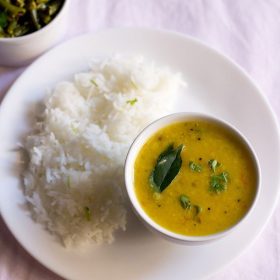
16	263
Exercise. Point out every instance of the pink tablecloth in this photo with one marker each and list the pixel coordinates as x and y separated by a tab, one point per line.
246	30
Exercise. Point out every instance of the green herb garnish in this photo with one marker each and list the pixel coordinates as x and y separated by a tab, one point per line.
167	167
94	82
185	201
187	205
218	183
74	129
87	213
195	167
133	84
132	101
213	164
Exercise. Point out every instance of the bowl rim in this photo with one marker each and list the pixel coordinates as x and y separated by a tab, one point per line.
40	31
136	146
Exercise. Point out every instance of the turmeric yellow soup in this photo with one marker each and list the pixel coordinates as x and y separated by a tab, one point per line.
195	178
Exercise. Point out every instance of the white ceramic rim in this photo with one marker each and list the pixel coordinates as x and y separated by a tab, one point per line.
43	29
136	146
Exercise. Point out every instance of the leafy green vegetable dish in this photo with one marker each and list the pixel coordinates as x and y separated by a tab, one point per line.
21	17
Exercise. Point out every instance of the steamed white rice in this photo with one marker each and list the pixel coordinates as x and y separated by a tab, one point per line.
74	181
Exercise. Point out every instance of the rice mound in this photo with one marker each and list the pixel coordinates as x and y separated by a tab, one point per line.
74	179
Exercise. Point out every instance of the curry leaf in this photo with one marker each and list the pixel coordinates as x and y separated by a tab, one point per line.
167	167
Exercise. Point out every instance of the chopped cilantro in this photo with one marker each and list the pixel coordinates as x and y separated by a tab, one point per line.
213	164
218	183
195	167
94	82
185	201
132	101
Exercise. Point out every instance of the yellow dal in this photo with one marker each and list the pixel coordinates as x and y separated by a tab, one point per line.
202	141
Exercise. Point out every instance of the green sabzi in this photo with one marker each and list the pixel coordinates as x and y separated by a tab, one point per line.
21	17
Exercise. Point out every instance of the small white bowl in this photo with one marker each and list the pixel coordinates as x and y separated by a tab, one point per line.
19	51
136	146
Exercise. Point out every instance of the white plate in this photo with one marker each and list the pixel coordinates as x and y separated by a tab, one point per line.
216	86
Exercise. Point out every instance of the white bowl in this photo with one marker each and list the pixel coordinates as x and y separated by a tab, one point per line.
129	178
21	50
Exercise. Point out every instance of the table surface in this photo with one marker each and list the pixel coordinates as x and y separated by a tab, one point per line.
247	31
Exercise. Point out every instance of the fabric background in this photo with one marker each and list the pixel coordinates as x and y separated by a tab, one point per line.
248	31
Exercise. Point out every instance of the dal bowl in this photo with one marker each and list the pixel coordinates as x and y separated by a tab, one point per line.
192	178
